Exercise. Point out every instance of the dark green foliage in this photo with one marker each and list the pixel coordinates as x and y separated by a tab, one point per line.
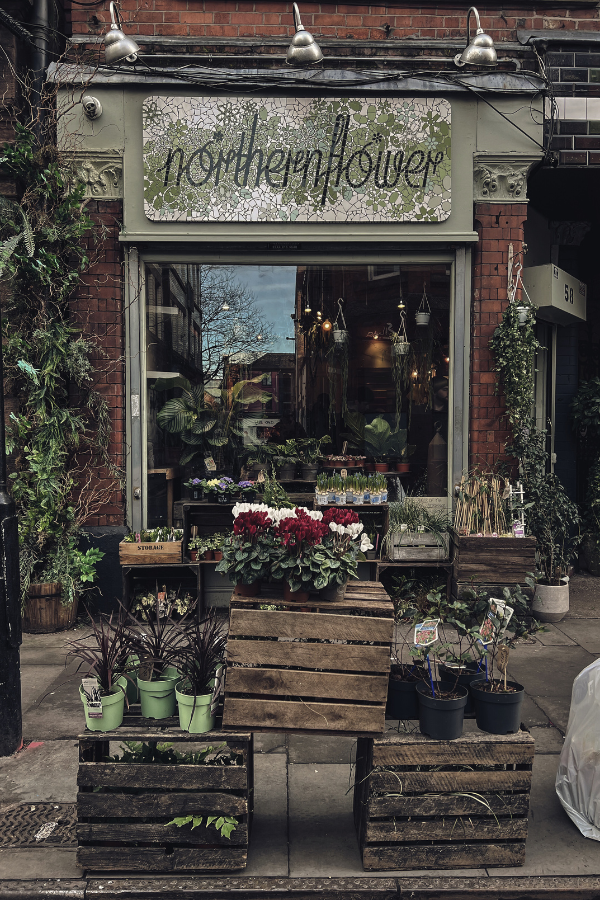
585	411
514	347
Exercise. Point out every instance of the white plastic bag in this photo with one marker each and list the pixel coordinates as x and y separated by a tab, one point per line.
578	776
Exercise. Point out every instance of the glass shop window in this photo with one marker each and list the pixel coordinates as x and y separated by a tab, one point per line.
238	356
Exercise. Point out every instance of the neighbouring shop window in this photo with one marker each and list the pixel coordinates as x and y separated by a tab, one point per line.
240	355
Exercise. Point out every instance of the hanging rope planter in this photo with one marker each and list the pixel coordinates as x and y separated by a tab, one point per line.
423	313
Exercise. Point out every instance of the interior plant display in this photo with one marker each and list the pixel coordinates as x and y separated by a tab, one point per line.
378	439
423	313
310	451
47	359
200	656
247	552
104	656
585	414
171	602
272	494
286	458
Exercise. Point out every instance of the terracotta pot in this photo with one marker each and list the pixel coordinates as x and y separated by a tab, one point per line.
403	467
44	611
381	467
297	596
247	590
217	555
193	555
208	554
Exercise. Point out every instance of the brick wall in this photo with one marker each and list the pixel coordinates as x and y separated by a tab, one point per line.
98	310
575	73
498	226
241	18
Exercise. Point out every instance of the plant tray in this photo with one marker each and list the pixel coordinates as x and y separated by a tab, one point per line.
122	825
285	675
413	545
501	560
428	804
150	554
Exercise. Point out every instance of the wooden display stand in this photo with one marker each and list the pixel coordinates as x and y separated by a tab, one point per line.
490	560
427	804
284	674
122	826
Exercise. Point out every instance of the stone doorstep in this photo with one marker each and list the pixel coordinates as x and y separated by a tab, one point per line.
167	887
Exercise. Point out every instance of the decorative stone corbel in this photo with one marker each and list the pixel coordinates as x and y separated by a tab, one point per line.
501	177
101	172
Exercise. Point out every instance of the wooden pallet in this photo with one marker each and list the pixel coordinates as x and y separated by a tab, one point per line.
122	827
489	560
284	675
428	804
131	554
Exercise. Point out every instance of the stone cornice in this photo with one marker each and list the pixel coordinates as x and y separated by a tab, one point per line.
501	177
101	171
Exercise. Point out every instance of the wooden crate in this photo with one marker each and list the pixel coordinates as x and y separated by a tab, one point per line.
428	804
150	554
122	827
284	674
503	560
412	545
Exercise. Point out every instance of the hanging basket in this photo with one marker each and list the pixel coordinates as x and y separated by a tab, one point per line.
523	313
340	336
423	314
400	348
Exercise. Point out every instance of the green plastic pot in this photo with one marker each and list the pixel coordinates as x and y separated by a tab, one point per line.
112	710
157	698
194	712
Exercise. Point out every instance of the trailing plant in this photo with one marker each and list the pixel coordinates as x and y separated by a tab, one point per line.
585	413
225	825
48	361
514	347
273	494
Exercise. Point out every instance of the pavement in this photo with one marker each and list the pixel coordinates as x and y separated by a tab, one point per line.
303	840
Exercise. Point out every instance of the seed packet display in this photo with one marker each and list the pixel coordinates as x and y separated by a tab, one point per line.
496	620
426	633
92	697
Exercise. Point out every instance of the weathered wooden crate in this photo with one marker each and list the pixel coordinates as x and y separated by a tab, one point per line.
144	554
428	804
324	670
121	827
501	560
413	545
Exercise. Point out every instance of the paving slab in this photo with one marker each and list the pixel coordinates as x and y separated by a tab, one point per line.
35	681
270	743
308	748
547	671
554	845
43	863
40	774
552	636
557	710
547	739
586	634
268	847
584	597
531	714
58	712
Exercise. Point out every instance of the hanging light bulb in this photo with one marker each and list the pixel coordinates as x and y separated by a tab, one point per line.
326	325
402	304
319	314
307	310
225	306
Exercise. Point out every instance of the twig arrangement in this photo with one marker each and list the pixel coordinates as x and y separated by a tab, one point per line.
480	508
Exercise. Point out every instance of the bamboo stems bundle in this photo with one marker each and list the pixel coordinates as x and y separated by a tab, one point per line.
480	508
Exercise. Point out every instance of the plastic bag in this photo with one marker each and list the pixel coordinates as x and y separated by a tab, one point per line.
578	776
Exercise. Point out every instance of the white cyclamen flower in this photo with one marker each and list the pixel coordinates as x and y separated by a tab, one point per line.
365	543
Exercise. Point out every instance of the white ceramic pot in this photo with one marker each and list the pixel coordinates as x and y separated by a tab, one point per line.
523	314
551	602
422	318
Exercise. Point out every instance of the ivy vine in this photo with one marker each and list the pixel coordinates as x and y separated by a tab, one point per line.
514	347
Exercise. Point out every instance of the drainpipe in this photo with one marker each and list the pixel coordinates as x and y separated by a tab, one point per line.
39	60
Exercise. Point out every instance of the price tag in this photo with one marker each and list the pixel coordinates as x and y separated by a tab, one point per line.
92	697
426	633
344	473
261	477
210	464
502	655
497	618
216	695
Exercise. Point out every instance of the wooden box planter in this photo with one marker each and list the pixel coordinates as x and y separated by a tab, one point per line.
45	612
489	560
150	554
122	826
284	674
429	804
416	546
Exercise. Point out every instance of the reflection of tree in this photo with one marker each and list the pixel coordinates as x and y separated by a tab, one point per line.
234	331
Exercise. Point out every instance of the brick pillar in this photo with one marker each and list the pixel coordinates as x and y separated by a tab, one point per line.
498	225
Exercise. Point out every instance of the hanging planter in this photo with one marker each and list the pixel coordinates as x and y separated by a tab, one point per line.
423	313
523	313
400	347
340	332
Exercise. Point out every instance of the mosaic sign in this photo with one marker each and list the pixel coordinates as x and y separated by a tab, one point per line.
304	160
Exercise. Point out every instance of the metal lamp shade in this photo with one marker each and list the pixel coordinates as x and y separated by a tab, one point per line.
480	51
118	47
303	50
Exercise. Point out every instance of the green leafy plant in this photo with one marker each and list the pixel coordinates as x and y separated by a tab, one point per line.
514	347
134	752
225	825
585	412
247	551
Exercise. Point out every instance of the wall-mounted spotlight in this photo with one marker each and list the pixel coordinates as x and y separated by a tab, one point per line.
303	50
117	46
480	51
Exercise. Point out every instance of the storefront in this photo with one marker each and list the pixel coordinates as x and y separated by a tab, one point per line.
256	229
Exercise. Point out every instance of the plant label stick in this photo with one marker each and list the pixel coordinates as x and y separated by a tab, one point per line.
426	633
92	697
502	660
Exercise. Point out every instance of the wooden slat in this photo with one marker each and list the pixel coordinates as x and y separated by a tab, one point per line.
271	623
495	545
452	828
351	603
332	657
156	776
148	859
443	856
449	805
484	751
286	682
409	782
129	832
92	805
177	736
281	714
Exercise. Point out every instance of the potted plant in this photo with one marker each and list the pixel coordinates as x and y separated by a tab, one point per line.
247	551
416	533
195	487
156	641
286	459
199	659
423	314
295	559
247	490
106	655
340	550
310	451
402	702
197	547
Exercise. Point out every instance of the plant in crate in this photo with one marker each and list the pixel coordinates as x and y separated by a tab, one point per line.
297	538
105	655
247	552
414	531
199	661
340	551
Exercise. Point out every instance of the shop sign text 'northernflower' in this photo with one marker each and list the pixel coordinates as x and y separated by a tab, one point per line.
305	160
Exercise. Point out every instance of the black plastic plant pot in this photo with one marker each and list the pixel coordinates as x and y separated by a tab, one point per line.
498	712
402	700
441	719
469	673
